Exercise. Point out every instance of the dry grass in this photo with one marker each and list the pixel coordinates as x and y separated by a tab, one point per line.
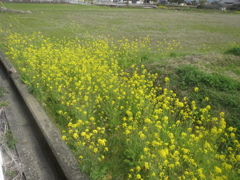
12	167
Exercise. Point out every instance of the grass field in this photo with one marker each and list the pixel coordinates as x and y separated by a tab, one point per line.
105	76
194	30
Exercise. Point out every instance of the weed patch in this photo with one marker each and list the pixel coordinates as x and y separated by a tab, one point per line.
2	91
223	91
2	103
235	51
192	76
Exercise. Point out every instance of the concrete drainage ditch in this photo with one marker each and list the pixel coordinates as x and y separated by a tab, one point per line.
41	151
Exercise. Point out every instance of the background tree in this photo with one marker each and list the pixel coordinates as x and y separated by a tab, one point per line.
202	2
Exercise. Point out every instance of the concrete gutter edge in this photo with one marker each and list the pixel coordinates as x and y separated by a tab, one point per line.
61	152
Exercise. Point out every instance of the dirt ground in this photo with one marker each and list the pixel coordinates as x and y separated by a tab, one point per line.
12	167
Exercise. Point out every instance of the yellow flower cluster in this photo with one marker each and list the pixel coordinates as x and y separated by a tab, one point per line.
117	122
165	47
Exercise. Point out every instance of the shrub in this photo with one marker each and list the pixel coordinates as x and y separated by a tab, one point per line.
235	7
209	6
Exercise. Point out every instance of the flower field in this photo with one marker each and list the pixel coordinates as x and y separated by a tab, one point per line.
116	120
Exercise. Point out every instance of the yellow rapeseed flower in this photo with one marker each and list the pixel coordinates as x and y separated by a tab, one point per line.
64	138
138	176
167	80
75	135
217	170
196	89
138	168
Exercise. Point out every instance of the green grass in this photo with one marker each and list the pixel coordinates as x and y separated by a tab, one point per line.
234	51
196	31
217	76
210	33
209	41
192	76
